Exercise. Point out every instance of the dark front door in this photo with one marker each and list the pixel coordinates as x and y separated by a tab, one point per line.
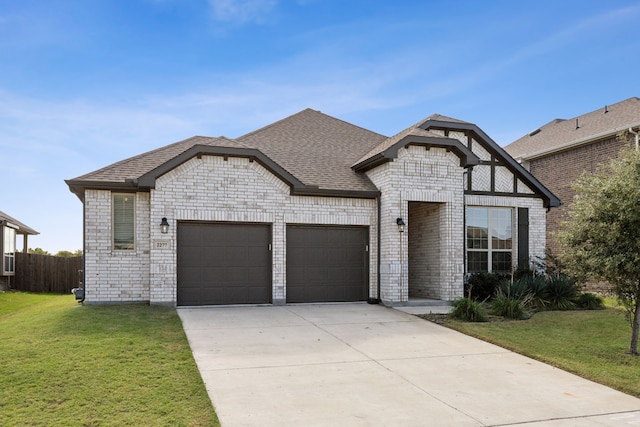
327	263
223	263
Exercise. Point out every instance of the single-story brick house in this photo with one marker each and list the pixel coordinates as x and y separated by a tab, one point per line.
10	228
558	152
309	209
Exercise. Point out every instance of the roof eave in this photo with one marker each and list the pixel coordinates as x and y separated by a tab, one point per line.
78	187
576	143
466	156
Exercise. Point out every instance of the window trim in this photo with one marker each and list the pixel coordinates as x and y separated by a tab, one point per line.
490	251
8	256
120	246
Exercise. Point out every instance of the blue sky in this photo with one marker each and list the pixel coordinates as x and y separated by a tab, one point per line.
86	83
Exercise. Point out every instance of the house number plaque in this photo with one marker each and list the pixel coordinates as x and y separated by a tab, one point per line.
161	244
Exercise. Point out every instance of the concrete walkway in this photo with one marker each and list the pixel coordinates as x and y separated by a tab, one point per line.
367	365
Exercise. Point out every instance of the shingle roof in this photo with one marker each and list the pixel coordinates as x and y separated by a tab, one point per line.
560	133
414	130
22	228
134	167
317	149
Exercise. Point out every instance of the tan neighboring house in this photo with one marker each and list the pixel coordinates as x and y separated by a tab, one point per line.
309	209
558	152
10	228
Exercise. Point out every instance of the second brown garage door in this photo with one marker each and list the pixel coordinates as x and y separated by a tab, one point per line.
327	263
223	263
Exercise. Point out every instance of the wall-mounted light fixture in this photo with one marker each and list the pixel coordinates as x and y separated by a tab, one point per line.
164	226
401	225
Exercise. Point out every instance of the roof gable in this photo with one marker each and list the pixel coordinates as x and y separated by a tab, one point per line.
315	154
448	125
561	134
388	150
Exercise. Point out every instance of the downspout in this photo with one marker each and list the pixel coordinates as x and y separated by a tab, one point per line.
377	299
637	134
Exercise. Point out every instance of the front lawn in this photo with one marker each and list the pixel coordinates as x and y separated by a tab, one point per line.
67	364
591	344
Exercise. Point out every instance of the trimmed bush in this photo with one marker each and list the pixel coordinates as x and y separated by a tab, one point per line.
562	292
482	285
468	310
589	301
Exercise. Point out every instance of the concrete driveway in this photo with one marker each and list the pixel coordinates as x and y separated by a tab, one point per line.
367	365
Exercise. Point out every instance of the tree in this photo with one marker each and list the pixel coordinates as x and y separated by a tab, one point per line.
69	254
38	251
601	239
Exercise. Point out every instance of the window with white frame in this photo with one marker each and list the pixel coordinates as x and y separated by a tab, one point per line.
124	221
489	239
8	251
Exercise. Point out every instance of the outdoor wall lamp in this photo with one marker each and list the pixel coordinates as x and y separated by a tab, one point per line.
164	226
401	225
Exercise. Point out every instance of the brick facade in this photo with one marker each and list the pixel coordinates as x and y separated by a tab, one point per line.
420	175
427	185
424	187
558	172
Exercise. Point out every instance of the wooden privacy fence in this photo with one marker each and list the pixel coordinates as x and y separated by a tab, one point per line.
46	273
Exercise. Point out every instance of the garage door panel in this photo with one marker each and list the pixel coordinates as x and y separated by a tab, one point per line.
210	274
223	263
338	256
257	275
191	274
212	255
336	274
326	263
191	256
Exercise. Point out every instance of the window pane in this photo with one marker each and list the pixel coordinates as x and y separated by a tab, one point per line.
501	230
9	249
501	262
477	228
123	221
477	261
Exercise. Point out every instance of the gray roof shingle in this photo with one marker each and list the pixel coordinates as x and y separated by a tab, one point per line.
414	130
135	167
317	149
560	133
22	228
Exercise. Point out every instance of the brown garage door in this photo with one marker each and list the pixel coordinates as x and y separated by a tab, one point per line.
223	263
327	263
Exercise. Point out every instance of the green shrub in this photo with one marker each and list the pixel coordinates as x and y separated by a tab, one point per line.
537	289
482	285
468	310
510	306
523	271
589	301
562	292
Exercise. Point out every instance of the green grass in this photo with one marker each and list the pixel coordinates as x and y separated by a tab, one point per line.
72	365
592	344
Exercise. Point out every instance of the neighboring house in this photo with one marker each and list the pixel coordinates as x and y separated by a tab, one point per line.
309	209
9	229
560	151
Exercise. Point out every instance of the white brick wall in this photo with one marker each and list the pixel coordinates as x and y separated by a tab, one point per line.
214	189
238	190
110	275
420	175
